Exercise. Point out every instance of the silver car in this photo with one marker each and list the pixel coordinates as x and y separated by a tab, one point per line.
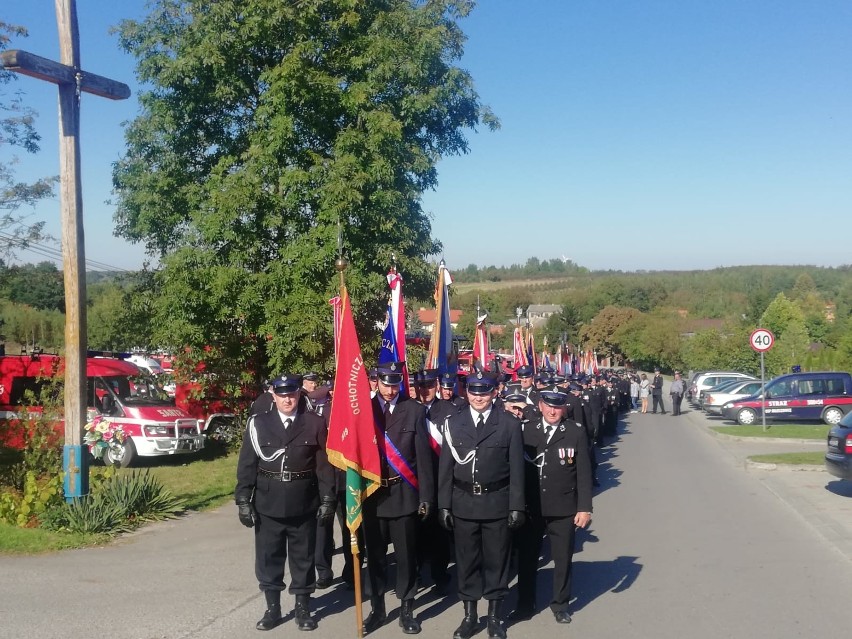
713	402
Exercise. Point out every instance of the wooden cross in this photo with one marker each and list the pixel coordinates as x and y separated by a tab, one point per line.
71	80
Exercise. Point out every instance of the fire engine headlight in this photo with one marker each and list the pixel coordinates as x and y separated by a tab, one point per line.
156	430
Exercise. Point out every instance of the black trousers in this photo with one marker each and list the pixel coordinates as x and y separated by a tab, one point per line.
676	401
277	538
378	533
658	401
483	556
433	547
561	532
325	543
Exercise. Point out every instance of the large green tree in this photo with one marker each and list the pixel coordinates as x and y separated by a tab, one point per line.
17	131
266	124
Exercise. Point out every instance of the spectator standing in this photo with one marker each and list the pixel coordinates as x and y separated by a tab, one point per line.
676	391
644	392
634	393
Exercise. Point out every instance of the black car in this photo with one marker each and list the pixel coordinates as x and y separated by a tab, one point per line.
838	457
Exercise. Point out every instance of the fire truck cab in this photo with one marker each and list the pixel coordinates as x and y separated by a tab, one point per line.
117	390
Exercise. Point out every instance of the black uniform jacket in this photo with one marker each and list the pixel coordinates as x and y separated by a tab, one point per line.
303	449
560	471
498	457
575	409
406	428
438	412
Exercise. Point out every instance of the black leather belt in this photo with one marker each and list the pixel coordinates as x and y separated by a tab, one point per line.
390	481
480	489
286	475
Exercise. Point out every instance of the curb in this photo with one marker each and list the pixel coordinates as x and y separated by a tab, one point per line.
753	465
769	440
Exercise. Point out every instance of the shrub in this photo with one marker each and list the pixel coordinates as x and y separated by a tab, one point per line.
117	504
27	506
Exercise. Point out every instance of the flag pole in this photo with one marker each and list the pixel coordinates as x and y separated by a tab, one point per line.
340	264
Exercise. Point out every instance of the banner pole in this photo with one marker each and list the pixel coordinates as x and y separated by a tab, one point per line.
356	580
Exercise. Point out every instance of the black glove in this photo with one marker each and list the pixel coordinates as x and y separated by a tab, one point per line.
516	519
325	514
425	510
246	513
445	518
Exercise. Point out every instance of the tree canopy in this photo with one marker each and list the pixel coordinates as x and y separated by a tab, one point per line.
268	123
17	131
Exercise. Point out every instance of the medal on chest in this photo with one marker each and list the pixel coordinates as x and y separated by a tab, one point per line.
566	455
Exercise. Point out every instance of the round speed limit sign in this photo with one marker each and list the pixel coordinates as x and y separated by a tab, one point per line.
761	340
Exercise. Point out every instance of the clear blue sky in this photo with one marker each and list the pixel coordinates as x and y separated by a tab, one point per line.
678	134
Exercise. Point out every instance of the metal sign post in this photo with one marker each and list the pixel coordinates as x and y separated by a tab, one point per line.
761	340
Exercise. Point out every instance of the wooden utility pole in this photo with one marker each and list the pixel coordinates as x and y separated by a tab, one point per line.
71	80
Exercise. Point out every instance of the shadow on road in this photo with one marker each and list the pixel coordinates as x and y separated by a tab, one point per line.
594	578
840	487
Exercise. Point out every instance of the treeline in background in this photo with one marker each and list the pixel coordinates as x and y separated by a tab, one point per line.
677	320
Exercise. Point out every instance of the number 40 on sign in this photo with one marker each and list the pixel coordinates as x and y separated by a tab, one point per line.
761	340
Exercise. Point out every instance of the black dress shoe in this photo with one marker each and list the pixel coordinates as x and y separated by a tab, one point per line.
324	582
493	622
469	624
376	619
407	622
302	613
271	618
562	616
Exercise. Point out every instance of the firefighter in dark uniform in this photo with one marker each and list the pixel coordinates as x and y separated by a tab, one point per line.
319	402
434	541
284	484
595	401
448	393
481	499
575	411
407	490
515	402
559	500
613	406
525	379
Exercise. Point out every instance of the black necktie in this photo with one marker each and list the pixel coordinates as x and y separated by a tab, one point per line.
287	423
387	412
481	421
429	414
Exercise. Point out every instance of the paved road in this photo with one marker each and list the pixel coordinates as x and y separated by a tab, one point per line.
686	542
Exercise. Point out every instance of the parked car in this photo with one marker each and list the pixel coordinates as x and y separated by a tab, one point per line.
706	381
714	399
702	395
838	457
825	396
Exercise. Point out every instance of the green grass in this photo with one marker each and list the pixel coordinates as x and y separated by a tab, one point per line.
797	459
202	482
31	541
817	432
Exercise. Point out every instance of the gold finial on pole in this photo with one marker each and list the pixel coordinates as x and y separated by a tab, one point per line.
341	263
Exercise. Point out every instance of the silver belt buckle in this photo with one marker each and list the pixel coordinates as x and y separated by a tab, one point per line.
285	475
383	483
477	488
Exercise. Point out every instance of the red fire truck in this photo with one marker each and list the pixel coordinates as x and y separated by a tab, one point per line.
117	390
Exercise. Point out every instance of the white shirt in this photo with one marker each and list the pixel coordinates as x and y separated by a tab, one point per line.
284	417
382	404
475	415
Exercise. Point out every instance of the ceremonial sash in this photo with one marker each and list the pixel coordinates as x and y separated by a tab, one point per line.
399	464
436	438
